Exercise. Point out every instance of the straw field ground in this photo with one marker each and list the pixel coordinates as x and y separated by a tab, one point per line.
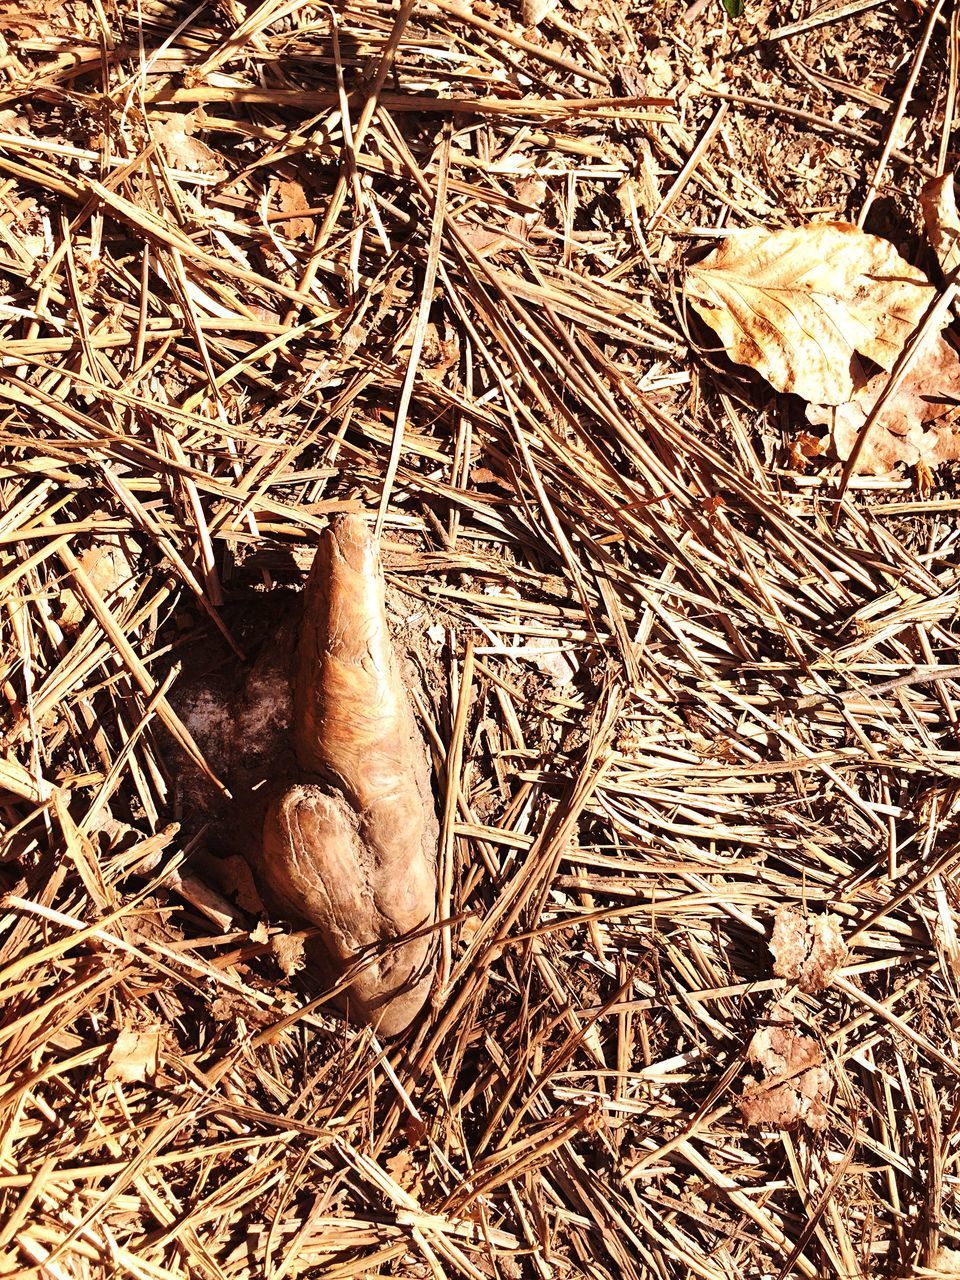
689	684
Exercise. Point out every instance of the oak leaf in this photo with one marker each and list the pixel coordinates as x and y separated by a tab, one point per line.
918	426
799	304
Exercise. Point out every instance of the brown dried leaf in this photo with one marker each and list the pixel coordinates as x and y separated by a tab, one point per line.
288	952
291	198
237	882
919	425
532	191
441	351
222	1008
483	475
403	1170
175	133
135	1054
783	1051
787	1104
552	659
794	1087
799	304
108	564
938	204
483	240
807	949
533	12
13	122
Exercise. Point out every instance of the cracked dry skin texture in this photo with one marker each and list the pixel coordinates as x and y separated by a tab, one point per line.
351	845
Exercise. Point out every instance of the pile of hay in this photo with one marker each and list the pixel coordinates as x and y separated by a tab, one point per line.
264	265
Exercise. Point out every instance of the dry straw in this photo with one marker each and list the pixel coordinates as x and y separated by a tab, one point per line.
263	265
